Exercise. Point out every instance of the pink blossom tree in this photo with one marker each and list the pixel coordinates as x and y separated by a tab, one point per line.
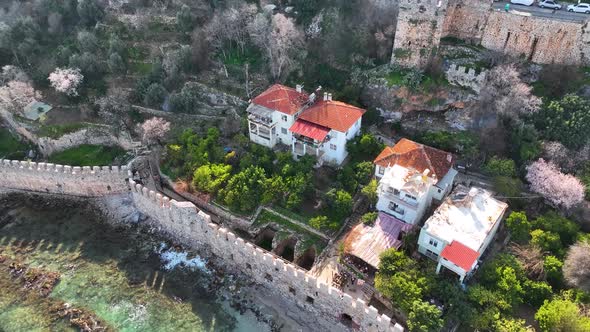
66	80
154	129
558	188
16	94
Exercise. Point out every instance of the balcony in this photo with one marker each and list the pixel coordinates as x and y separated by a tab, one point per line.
300	149
263	120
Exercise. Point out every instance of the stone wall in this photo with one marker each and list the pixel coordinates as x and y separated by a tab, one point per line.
538	39
95	135
465	77
467	19
419	29
67	180
186	223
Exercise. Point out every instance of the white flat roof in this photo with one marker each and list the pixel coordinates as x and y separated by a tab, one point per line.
408	180
467	215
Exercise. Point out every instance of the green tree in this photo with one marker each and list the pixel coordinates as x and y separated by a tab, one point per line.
88	64
184	19
363	172
392	261
566	120
553	222
536	292
497	166
370	191
552	266
369	218
319	222
339	203
403	288
116	64
519	226
365	146
90	12
209	178
244	190
509	285
346	177
547	241
154	95
525	144
274	190
87	41
561	315
512	325
424	317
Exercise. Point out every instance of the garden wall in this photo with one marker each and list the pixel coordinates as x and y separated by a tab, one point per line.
91	135
184	222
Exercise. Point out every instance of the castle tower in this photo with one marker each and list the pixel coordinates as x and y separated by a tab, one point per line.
418	33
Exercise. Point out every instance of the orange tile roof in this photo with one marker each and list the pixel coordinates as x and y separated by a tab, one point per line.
333	114
460	255
414	155
281	98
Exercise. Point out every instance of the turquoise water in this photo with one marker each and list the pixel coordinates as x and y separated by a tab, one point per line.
115	273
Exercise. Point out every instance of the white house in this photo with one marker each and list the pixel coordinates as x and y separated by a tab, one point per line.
411	176
461	228
324	128
273	112
310	126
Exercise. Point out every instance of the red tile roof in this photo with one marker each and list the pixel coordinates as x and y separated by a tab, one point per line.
333	114
281	98
414	155
460	255
309	129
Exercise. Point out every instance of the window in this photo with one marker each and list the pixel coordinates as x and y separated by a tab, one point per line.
396	192
381	170
268	277
284	117
410	196
433	242
284	131
395	208
333	146
292	290
431	254
309	299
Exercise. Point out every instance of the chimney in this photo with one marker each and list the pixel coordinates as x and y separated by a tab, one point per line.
299	88
329	96
325	96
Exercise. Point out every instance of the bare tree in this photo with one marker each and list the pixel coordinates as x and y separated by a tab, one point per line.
576	268
531	259
229	27
280	39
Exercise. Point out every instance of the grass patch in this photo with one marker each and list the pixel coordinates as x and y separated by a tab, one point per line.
57	131
142	68
88	155
11	147
291	214
307	239
395	77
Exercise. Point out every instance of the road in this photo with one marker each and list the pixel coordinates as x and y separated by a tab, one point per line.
534	10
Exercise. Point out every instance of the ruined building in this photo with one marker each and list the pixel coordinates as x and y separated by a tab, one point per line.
422	24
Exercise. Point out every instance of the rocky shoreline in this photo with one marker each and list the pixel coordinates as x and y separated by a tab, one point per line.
232	288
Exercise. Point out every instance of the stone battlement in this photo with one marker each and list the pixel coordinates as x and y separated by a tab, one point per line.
187	224
63	179
466	77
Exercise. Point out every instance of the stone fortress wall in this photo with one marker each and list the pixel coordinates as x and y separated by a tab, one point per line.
538	39
185	223
466	77
60	179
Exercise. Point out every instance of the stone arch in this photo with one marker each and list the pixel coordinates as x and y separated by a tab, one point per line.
286	248
307	259
265	238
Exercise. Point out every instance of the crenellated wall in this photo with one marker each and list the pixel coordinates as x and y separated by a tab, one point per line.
60	179
186	223
466	77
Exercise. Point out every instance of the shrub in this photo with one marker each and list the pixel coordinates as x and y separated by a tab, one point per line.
497	166
519	226
369	217
319	222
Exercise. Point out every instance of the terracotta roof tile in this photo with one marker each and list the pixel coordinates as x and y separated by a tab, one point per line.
460	255
414	155
333	114
281	98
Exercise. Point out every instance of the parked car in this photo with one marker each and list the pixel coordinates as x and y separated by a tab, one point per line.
579	8
549	4
523	2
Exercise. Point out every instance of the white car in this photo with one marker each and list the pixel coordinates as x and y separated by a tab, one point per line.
579	8
549	4
523	2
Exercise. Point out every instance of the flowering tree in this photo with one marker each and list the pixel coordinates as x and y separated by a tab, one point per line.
154	129
576	268
15	95
558	188
66	80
